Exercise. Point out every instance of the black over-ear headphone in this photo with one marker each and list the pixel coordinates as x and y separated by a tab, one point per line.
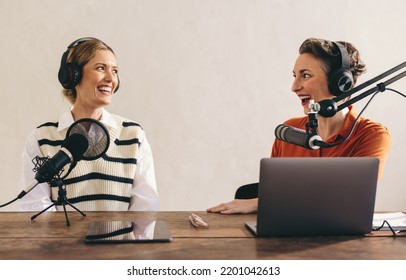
69	74
341	80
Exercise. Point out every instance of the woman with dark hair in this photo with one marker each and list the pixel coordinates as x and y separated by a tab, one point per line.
323	70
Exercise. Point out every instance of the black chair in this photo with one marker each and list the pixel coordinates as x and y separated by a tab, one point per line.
247	191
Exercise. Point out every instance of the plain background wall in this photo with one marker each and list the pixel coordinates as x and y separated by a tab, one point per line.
209	80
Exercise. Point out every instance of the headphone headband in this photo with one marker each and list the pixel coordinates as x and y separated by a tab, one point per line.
341	80
79	41
345	57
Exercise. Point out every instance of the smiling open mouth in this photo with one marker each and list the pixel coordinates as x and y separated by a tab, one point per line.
105	90
305	99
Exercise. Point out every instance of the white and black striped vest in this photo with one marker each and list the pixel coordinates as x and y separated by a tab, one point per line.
103	184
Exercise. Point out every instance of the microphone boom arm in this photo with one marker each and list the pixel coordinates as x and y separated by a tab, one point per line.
328	107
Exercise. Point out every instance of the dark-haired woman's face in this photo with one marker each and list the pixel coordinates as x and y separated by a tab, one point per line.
99	80
310	80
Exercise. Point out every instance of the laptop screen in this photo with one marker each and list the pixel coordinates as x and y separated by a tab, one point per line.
316	196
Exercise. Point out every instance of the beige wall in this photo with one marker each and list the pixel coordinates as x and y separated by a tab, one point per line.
209	80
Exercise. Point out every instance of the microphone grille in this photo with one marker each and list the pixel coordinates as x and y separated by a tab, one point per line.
77	145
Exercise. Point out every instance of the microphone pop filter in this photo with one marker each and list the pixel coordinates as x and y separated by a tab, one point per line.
96	134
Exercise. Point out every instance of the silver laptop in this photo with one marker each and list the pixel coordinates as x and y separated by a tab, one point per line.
315	196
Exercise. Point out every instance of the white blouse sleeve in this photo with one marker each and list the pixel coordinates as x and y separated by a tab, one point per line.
144	194
39	197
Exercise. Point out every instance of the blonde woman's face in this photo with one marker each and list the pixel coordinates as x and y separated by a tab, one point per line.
99	80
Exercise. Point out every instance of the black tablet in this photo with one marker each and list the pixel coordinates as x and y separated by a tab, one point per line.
127	232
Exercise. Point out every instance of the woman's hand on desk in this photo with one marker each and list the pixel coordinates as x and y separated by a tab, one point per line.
236	206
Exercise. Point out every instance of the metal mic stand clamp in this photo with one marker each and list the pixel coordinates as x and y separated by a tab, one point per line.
312	124
313	140
61	200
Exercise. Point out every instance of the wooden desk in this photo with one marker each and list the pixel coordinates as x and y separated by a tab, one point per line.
48	237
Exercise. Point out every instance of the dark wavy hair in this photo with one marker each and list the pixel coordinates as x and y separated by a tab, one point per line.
330	55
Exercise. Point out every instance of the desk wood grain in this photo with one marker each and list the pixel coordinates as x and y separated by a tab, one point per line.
48	237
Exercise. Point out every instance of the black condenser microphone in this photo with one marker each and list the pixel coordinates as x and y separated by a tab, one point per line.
72	149
298	137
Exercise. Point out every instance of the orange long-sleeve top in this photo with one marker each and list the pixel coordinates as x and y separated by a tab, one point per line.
369	139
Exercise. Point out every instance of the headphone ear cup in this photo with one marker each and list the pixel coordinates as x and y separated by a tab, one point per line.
76	71
69	75
341	81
